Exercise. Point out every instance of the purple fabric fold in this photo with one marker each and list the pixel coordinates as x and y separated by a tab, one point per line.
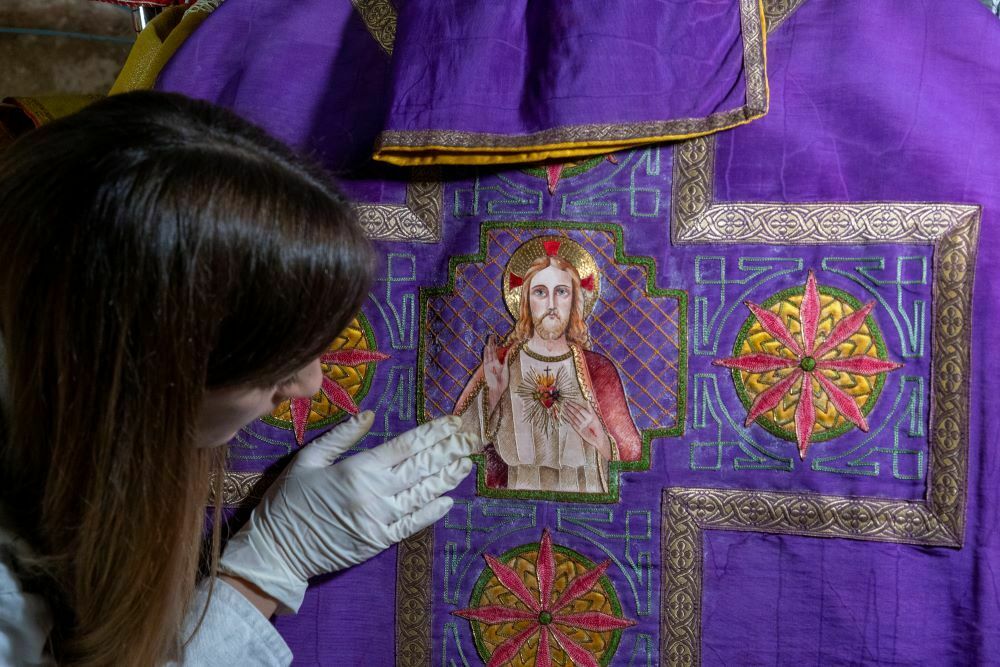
473	81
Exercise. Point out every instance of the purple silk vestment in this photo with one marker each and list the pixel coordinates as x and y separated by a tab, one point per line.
873	177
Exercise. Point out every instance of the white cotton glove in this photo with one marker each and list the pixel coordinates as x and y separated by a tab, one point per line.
318	518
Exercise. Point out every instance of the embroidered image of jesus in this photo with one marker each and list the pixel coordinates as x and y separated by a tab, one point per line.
552	412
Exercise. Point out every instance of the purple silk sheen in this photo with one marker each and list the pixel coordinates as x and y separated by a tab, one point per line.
903	109
521	67
346	618
837	602
899	112
332	74
464	541
333	82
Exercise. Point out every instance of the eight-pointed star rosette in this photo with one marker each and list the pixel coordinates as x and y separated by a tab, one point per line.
545	605
812	357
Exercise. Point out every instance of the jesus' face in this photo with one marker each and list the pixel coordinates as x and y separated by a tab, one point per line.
551	299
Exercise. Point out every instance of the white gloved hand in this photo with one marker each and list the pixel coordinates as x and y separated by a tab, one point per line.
318	518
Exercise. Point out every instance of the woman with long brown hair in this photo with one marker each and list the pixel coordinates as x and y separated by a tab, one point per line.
168	273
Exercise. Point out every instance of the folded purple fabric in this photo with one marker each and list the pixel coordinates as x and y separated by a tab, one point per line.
488	82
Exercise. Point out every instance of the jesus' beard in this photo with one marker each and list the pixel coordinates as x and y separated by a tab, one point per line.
549	328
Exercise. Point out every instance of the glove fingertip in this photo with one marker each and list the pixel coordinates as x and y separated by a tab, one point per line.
462	468
424	517
472	441
362	421
438	507
448	424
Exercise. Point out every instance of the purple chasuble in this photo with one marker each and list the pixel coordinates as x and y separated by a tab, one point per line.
799	312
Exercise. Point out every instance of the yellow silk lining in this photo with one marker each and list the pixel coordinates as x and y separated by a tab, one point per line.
414	156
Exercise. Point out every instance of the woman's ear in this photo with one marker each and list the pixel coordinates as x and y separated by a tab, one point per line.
304	383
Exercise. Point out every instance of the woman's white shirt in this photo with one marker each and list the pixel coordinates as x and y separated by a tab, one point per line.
233	631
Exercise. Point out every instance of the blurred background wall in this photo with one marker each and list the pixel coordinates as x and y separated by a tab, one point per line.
61	46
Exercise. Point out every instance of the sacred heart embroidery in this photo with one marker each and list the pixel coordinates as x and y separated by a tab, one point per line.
546	391
544	394
809	364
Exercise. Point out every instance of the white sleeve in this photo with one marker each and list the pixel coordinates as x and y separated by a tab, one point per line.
233	632
25	623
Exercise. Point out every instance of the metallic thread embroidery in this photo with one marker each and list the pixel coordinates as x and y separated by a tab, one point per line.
413	599
238	487
542	357
809	366
696	218
544	395
467	303
545	604
379	17
419	220
776	11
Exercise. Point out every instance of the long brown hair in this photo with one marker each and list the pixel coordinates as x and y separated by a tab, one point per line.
524	328
152	247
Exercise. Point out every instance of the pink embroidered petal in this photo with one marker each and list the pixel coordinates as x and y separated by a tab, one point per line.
595	621
496	614
809	313
580	585
805	415
545	569
300	409
844	329
859	365
544	656
339	396
578	655
506	651
552	174
756	363
845	404
512	582
770	397
773	325
352	357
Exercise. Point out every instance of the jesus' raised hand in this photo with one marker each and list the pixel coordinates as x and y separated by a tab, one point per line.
495	372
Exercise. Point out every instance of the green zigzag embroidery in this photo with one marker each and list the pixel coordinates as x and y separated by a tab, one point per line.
648	435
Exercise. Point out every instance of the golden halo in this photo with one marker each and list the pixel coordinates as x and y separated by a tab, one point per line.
560	246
